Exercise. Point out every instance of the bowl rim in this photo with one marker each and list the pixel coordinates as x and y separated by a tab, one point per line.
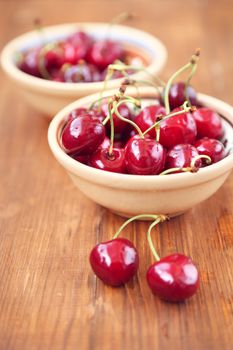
129	181
155	44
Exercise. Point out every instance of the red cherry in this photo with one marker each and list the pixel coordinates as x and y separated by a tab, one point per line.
144	156
81	159
208	123
148	116
115	262
81	111
177	95
82	135
212	148
115	162
120	126
30	62
173	278
181	156
178	129
80	39
82	72
104	52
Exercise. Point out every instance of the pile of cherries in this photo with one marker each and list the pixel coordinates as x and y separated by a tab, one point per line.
173	278
154	140
77	58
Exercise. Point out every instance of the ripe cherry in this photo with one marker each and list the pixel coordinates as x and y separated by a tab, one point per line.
212	148
78	73
115	262
144	156
104	52
173	278
209	123
80	40
181	156
30	62
148	117
82	135
177	95
120	126
81	159
114	162
178	129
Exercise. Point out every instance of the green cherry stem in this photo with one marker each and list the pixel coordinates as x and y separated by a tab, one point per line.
174	170
111	126
192	73
115	108
156	222
187	66
158	217
201	156
185	109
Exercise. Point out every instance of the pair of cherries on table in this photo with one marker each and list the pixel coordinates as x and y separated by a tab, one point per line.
184	137
77	58
173	278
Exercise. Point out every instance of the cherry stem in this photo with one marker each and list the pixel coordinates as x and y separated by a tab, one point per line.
185	109
201	156
190	64
172	170
115	108
111	126
140	216
152	248
122	17
192	73
119	66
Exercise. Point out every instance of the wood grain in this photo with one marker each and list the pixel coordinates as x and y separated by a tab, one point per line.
49	298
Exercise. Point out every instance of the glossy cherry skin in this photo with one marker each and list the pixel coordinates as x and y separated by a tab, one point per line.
104	52
79	73
212	148
177	95
114	162
30	62
120	126
82	135
209	123
148	116
181	156
178	129
115	262
80	40
174	278
144	156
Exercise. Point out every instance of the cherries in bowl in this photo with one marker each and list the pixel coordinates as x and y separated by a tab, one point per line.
128	194
50	96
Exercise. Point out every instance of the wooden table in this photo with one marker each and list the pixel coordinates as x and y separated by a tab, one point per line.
49	298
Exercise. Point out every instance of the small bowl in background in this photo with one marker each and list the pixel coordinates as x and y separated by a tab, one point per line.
48	96
129	195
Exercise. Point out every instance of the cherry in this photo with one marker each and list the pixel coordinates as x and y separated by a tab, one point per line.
81	111
81	159
181	156
212	148
82	135
178	129
30	62
104	52
148	117
120	126
52	58
177	95
80	40
144	156
114	162
173	278
82	72
115	262
208	123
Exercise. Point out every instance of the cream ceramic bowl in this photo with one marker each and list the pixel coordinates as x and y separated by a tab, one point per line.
49	97
129	195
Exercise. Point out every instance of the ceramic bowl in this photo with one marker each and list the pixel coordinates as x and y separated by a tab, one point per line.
48	96
129	195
